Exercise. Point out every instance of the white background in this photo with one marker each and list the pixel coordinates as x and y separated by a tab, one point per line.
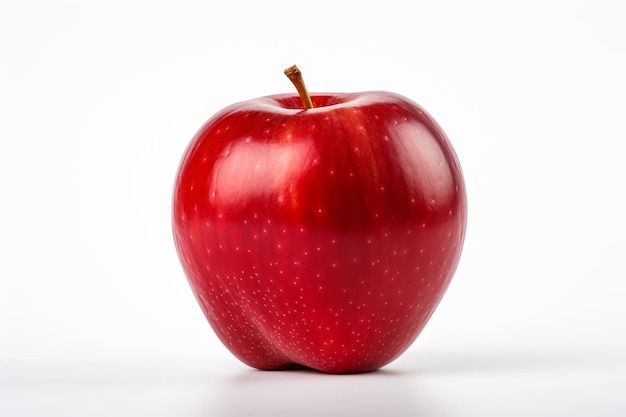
98	100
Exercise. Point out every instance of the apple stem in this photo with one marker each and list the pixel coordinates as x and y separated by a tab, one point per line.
295	76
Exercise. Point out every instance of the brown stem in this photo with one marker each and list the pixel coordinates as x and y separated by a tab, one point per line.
294	74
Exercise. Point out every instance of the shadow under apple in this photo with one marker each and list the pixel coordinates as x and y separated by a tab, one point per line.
304	392
417	384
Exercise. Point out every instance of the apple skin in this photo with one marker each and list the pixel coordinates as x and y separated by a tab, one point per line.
325	237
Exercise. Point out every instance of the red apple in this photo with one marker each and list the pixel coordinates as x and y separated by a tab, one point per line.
320	233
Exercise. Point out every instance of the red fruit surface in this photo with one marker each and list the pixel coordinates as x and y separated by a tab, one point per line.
322	237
